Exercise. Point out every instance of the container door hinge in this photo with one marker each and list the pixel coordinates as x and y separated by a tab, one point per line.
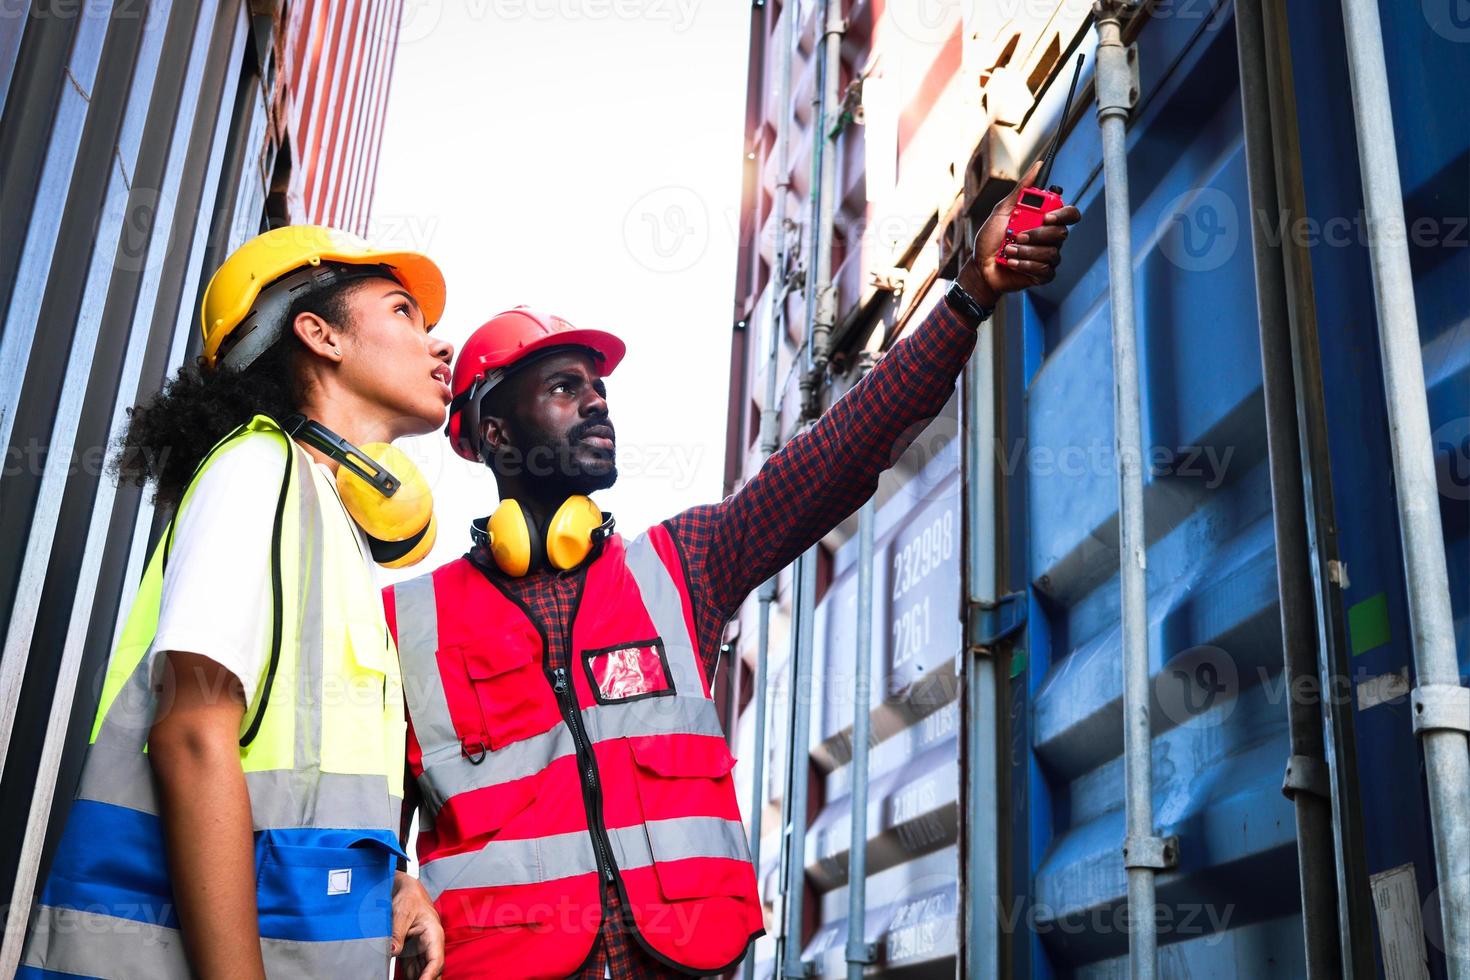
1151	852
864	954
1305	774
992	621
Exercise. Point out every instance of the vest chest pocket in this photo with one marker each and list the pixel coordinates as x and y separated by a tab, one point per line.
510	690
677	777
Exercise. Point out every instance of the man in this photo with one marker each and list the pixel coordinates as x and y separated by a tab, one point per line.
578	813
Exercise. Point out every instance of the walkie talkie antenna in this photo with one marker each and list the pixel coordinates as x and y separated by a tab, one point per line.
1051	154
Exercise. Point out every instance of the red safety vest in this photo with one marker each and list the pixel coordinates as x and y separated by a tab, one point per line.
540	785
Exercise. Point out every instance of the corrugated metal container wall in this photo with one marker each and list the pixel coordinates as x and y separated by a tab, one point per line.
1233	905
1010	863
893	170
139	143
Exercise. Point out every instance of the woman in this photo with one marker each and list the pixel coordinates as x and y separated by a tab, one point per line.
239	809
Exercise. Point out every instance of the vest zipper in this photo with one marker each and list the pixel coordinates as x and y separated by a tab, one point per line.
590	791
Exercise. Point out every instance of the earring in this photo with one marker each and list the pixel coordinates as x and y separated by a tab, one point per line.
337	351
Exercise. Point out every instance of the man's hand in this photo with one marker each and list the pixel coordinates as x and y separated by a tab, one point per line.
1031	261
418	938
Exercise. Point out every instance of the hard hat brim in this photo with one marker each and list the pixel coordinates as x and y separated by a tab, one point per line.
608	347
418	274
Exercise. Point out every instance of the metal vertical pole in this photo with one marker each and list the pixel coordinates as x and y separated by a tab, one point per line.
828	129
770	434
798	760
1143	852
1307	783
1441	704
798	763
859	953
1354	897
981	824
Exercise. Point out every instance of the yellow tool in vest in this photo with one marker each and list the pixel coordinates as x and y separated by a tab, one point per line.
517	543
383	491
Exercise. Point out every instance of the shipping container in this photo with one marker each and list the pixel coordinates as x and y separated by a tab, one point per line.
996	814
140	142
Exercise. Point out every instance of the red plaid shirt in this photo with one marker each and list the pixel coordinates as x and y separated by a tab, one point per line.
804	490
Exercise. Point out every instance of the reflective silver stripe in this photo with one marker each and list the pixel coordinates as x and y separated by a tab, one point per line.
118	775
678	839
423	688
91	944
310	639
334	958
651	716
281	799
130	716
97	945
693	715
661	597
512	862
500	863
456	774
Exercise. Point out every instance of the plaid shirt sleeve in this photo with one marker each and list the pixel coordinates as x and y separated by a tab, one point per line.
821	476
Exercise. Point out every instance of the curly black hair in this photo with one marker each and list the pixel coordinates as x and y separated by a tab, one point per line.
169	436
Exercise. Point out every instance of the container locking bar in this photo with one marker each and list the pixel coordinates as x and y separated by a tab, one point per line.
1158	853
1441	707
1305	774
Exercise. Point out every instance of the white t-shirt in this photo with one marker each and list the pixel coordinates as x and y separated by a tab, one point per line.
216	598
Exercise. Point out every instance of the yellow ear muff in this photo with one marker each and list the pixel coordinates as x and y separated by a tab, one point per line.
401	527
510	538
569	534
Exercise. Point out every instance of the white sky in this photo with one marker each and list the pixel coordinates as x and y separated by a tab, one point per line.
582	156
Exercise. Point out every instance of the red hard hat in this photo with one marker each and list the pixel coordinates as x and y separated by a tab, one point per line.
504	341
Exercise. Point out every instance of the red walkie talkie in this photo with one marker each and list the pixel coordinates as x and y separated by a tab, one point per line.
1036	202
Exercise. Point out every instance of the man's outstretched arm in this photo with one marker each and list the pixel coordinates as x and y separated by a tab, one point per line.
825	473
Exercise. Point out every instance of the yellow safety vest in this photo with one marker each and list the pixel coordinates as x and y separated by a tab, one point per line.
321	746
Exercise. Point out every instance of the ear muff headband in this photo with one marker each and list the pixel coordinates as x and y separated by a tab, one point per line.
516	544
382	490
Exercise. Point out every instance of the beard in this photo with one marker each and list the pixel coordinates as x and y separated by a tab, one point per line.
560	465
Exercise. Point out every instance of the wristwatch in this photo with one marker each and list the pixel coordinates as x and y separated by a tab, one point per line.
966	305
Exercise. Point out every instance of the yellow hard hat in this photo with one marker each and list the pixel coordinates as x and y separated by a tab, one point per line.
239	283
